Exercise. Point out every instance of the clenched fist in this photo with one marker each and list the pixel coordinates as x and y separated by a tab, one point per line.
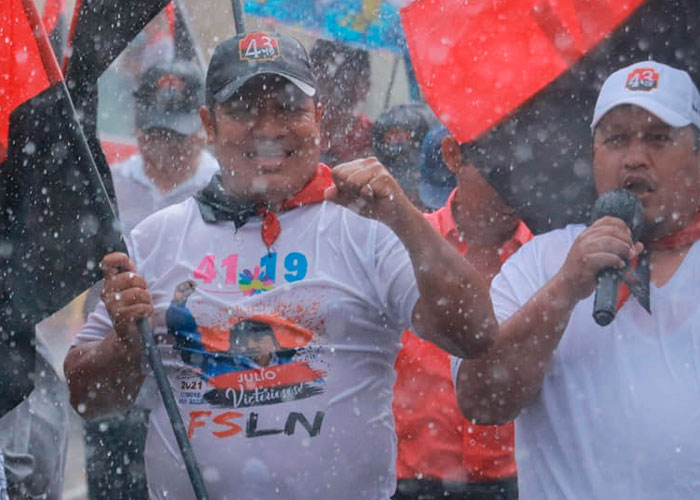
366	187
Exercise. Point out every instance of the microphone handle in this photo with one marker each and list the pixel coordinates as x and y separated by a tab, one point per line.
605	303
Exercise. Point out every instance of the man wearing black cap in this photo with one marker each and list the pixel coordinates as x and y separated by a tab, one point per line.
264	239
171	164
397	136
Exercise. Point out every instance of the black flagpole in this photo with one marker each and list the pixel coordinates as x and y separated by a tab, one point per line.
155	360
238	13
172	410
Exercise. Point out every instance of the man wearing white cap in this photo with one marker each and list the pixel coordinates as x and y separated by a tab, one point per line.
607	412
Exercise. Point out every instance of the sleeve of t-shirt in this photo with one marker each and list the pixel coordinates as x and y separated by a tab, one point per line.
524	274
98	323
518	280
510	289
394	279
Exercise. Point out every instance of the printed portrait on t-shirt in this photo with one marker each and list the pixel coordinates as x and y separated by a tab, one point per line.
245	359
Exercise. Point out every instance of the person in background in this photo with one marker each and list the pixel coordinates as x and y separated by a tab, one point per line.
442	455
397	136
34	435
343	76
608	412
436	181
171	165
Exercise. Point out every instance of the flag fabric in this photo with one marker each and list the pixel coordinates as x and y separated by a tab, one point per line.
499	54
54	20
56	221
518	80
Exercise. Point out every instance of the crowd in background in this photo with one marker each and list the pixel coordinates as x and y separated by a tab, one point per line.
441	454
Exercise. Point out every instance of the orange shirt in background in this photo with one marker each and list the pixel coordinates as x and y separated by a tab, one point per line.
434	440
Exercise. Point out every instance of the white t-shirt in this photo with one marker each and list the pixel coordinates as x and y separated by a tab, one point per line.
138	197
317	422
618	415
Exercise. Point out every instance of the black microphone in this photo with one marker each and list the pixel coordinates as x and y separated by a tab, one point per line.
624	205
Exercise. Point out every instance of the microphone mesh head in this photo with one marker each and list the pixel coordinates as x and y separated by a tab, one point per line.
622	204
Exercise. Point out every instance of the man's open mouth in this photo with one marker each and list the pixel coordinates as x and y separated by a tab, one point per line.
268	153
638	185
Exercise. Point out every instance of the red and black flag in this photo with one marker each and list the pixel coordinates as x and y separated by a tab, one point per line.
518	80
56	220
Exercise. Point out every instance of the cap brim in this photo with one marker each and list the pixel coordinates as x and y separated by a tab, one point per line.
663	113
433	196
185	124
231	88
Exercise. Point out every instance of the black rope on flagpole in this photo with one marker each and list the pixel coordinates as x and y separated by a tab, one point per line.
238	13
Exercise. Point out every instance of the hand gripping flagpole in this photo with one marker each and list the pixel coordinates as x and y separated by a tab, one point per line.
55	77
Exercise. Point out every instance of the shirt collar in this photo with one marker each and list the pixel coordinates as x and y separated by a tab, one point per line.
135	169
448	228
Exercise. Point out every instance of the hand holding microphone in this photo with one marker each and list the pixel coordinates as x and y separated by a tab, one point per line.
625	206
603	250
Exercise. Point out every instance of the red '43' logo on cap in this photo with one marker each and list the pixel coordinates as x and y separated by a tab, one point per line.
256	47
642	79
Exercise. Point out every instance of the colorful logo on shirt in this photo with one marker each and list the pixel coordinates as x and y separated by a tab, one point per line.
252	283
220	274
644	79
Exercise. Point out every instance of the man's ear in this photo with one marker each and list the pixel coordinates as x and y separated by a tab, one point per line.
208	122
451	153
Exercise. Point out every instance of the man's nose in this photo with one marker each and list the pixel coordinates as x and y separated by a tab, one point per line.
637	154
268	124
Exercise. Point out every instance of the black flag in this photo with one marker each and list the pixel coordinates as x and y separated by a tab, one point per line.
56	221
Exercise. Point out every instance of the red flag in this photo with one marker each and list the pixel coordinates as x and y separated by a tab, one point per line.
51	16
26	69
56	26
478	61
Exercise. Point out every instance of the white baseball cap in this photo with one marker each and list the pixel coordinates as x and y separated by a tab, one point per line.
663	91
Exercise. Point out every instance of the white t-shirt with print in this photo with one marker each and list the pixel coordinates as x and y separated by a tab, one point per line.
138	197
618	415
340	289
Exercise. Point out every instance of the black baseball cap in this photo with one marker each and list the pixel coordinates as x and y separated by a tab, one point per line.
169	97
399	132
238	59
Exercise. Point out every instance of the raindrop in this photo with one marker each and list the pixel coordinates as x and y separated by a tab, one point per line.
29	148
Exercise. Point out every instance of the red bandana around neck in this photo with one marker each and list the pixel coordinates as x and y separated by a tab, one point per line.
311	193
682	237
